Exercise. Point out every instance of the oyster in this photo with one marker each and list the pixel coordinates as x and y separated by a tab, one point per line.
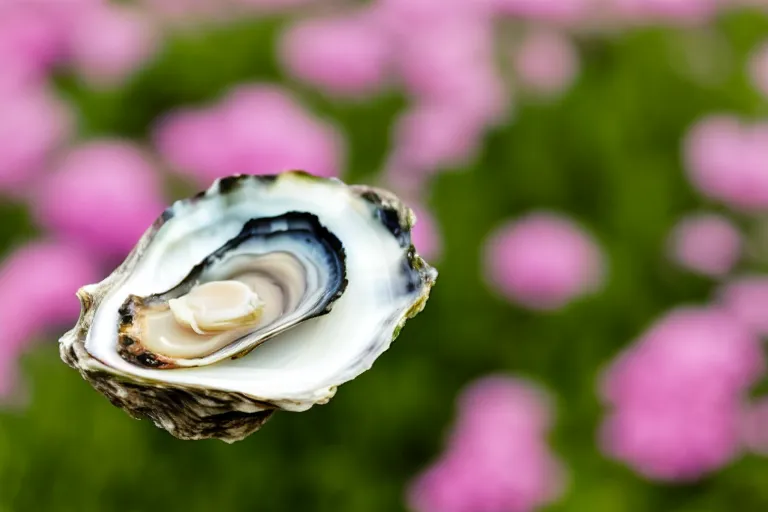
262	293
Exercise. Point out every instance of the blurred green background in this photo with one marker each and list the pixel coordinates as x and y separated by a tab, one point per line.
607	153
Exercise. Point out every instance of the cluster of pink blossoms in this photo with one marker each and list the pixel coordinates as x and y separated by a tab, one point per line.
678	392
101	42
67	188
255	129
679	396
497	456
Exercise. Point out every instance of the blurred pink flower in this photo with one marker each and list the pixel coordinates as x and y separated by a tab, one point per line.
345	55
727	160
746	298
102	195
33	124
425	234
429	137
543	261
447	68
512	405
674	442
676	394
38	283
754	426
256	129
758	69
550	11
709	244
187	10
497	461
110	43
452	64
214	11
701	349
405	18
546	62
30	43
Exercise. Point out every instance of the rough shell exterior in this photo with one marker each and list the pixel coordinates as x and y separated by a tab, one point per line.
195	413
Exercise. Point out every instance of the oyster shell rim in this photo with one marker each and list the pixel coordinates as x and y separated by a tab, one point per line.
193	412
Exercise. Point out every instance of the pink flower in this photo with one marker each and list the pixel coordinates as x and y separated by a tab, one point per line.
405	18
543	261
110	43
183	11
701	349
745	298
425	234
30	43
345	55
677	394
445	53
546	62
728	161
33	123
429	63
430	137
512	405
550	11
254	130
680	442
758	69
706	243
38	283
497	461
102	195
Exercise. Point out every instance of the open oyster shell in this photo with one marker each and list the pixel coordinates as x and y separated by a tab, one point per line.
262	293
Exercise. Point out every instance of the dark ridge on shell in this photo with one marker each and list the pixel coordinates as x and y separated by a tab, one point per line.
167	215
227	185
150	361
131	350
128	346
391	220
389	215
261	225
127	311
267	179
232	183
413	277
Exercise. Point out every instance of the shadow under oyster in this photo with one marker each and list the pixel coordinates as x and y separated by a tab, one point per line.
262	293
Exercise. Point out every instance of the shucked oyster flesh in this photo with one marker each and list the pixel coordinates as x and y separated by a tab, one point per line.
262	293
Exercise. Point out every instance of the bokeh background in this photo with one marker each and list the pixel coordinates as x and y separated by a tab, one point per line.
591	180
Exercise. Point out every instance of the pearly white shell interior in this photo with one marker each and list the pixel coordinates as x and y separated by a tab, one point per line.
300	367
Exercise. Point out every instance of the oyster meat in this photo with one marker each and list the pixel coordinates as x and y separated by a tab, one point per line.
262	293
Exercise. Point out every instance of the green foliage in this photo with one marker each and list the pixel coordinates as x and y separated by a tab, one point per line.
608	154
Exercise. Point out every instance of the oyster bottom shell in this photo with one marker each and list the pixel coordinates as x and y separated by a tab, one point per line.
193	412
